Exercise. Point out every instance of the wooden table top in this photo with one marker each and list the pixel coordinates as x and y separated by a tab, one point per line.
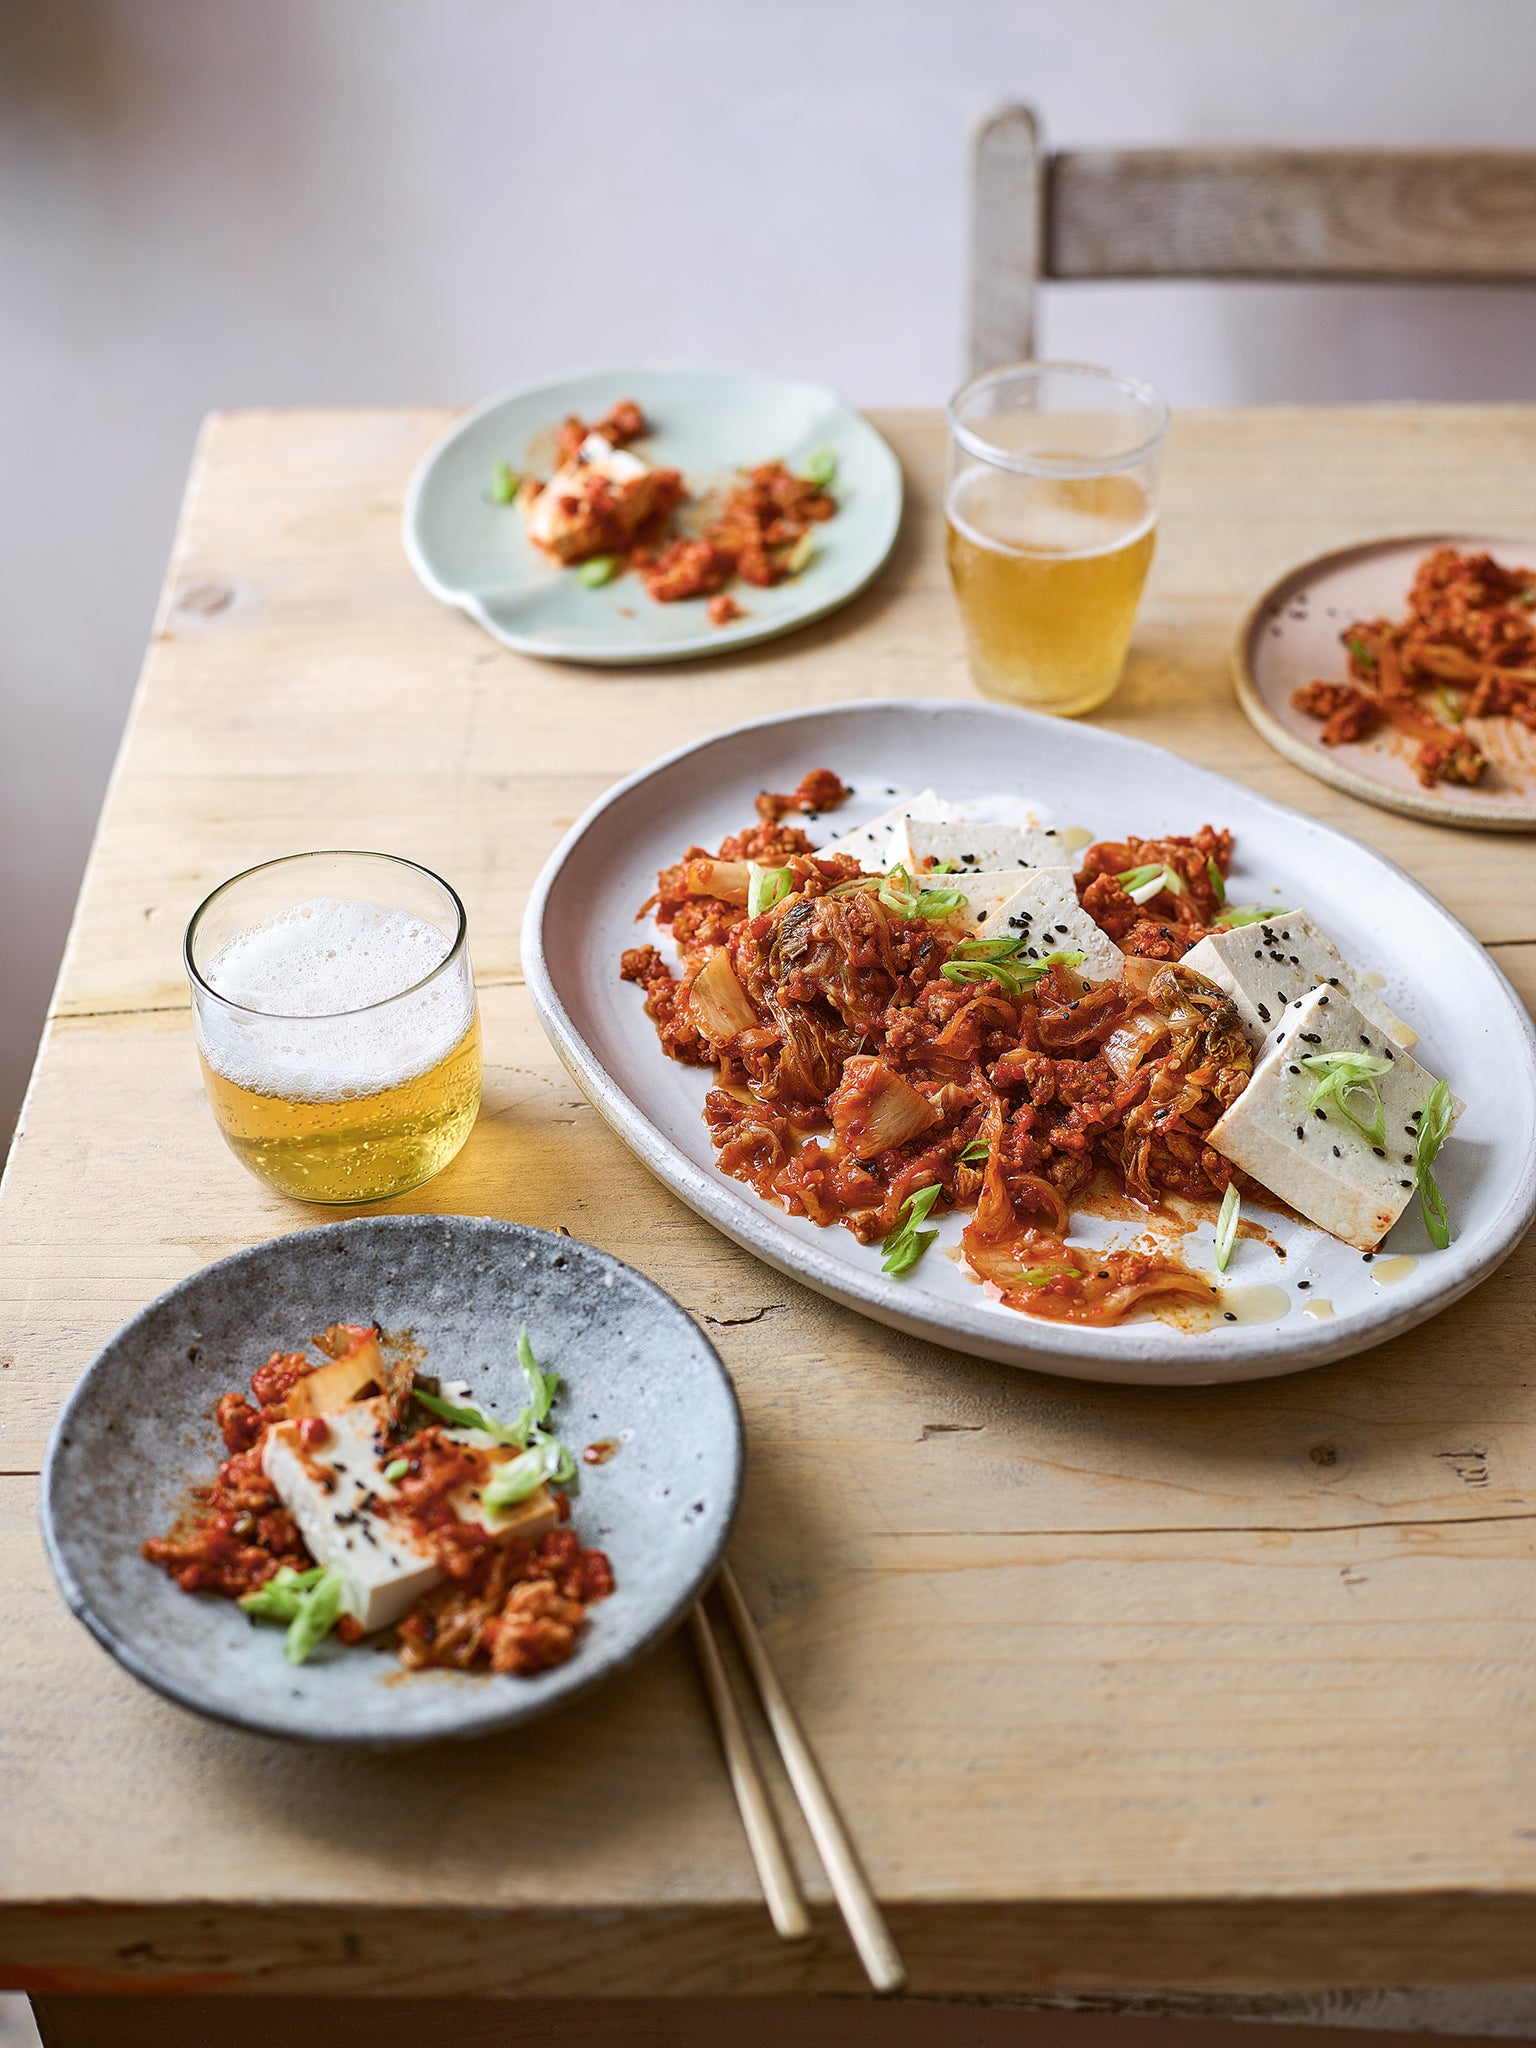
1118	1688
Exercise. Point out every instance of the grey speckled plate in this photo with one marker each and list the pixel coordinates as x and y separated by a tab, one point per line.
138	1432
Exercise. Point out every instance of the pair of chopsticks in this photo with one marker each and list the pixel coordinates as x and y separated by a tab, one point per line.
781	1888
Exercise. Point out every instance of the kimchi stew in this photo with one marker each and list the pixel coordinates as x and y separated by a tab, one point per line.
933	1012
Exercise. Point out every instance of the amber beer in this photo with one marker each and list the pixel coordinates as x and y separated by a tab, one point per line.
1050	523
1048	583
339	1041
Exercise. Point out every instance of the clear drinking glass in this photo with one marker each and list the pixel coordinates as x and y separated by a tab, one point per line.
334	1007
1050	516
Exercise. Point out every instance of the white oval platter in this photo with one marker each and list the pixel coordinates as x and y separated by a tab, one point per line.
1472	1027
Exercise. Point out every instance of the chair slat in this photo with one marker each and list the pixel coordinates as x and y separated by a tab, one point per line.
1449	216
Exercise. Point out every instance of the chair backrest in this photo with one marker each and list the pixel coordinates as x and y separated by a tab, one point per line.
1443	216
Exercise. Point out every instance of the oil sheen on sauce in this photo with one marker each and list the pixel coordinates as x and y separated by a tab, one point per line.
1386	1271
1255	1304
1320	1309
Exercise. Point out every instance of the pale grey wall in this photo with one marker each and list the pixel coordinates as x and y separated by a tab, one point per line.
236	202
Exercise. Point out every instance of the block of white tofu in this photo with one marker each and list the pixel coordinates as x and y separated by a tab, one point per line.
1263	967
332	1490
970	843
984	896
875	845
548	520
1045	913
1315	1159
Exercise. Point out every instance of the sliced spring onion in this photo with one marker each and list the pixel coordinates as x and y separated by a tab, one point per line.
1343	1074
977	1153
1226	1226
766	887
1038	1276
801	553
504	484
515	1480
598	570
1218	886
319	1610
1250	913
280	1598
906	1243
1142	884
1434	1128
820	467
460	1416
1451	706
1360	651
542	1386
998	960
396	1470
899	892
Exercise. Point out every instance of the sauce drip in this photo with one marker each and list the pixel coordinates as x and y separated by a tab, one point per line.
1322	1310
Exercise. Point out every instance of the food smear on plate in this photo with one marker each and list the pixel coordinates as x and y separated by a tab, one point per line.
1466	650
934	1012
605	509
358	1495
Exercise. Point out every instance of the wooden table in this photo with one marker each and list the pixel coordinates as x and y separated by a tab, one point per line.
1119	1689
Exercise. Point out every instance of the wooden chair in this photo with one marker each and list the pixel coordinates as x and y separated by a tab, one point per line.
1438	216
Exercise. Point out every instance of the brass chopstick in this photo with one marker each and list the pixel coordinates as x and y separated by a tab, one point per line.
776	1874
850	1886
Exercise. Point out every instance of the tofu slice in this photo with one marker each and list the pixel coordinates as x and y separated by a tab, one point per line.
564	532
875	845
1263	967
985	895
330	1492
1319	1163
1044	909
971	843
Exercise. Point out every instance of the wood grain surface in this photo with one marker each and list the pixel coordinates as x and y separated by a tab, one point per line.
1116	1688
1422	215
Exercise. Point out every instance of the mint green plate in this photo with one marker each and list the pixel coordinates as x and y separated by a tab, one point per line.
708	423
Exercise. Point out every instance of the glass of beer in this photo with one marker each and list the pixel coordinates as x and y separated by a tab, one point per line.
334	1008
1050	514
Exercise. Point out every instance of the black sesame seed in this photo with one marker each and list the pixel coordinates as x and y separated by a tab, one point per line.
1405	1183
1333	981
1301	1130
1296	963
1311	1038
1227	1316
1407	1159
981	917
1322	1002
1387	1050
1258	953
1320	1116
1337	1153
1367	1256
1380	1151
1264	1012
1363	1039
1303	1283
1061	928
1293	1070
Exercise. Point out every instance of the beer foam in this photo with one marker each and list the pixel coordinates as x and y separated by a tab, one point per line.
1058	518
310	975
